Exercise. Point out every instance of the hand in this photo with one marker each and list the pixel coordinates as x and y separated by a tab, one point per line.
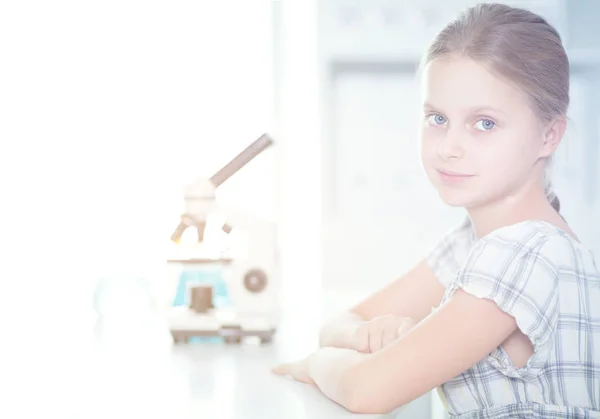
374	335
297	370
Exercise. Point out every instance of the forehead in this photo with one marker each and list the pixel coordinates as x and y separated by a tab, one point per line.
461	83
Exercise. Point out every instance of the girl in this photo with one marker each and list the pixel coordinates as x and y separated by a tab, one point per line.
515	332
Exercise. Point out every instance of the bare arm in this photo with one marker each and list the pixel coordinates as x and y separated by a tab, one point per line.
412	295
442	346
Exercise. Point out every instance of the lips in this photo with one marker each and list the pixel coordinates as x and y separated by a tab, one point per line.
451	177
452	173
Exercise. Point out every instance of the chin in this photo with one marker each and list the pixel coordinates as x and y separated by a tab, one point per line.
455	198
462	200
454	202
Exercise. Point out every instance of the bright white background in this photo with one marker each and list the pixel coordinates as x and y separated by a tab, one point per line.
110	109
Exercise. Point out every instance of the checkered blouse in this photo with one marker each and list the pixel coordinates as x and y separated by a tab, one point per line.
551	285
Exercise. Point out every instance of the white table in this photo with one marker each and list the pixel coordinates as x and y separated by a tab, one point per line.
133	377
236	382
204	381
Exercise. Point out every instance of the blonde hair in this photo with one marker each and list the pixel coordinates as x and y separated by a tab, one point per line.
520	46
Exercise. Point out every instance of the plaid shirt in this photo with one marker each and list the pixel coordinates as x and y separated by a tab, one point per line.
551	285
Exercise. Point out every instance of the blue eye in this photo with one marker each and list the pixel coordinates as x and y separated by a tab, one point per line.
485	124
436	119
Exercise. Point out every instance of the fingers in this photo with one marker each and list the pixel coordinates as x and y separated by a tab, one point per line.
361	338
406	325
304	378
389	335
376	337
283	369
376	334
296	370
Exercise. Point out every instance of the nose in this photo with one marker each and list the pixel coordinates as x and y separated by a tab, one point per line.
450	146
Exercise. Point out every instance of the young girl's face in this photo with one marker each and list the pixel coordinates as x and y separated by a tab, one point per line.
480	138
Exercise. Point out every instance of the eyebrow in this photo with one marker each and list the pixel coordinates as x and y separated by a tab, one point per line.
475	109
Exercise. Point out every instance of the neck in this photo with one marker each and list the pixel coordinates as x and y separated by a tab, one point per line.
530	203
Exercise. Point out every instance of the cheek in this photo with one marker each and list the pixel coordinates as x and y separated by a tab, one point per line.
427	146
503	164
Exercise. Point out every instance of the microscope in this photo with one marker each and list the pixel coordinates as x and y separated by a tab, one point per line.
227	279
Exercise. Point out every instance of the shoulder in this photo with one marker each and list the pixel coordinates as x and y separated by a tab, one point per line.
450	252
535	239
513	264
515	257
525	232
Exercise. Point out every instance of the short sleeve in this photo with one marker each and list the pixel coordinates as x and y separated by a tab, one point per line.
449	254
514	268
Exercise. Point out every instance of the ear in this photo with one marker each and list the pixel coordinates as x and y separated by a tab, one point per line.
553	134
